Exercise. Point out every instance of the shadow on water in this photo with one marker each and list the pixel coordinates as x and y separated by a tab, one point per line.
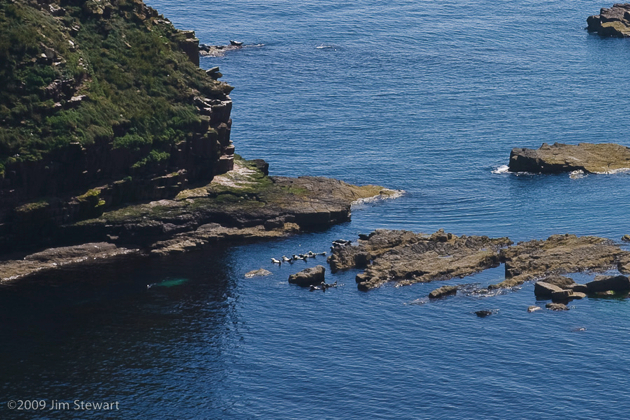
115	331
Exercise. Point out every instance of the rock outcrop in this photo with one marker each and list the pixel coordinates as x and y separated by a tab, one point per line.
557	158
55	258
560	254
407	258
612	22
309	277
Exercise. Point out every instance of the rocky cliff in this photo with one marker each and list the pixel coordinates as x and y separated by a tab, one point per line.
102	102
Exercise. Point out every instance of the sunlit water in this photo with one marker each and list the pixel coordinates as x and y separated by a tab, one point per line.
428	97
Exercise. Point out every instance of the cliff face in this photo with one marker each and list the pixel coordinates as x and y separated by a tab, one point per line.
101	103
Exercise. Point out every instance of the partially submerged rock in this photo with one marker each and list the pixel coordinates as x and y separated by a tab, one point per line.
534	308
587	157
484	313
612	22
261	272
310	277
406	257
557	307
560	254
443	292
606	283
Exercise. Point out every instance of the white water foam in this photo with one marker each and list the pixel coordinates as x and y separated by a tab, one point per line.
503	169
385	194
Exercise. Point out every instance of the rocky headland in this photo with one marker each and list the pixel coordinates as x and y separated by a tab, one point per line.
602	158
113	141
611	22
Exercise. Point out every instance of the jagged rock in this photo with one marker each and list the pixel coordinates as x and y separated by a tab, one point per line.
443	292
613	22
557	307
605	283
560	254
261	272
534	308
587	157
309	277
407	257
544	290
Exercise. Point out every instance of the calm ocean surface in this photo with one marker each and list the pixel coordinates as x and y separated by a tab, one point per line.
423	96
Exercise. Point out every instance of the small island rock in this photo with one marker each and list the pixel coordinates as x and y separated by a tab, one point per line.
310	277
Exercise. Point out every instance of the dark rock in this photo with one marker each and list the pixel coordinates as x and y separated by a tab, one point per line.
579	288
603	283
443	292
544	290
310	277
484	313
557	307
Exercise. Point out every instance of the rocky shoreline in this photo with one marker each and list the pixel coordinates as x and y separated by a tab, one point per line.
243	204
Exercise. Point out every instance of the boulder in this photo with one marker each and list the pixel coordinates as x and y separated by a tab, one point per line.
557	307
544	290
604	283
625	238
534	308
484	313
443	292
310	277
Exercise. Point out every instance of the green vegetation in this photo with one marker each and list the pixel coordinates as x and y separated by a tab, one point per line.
138	85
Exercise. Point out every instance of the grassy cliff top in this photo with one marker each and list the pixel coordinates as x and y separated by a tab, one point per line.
87	71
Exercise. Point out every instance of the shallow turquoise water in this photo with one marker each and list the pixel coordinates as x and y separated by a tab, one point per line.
428	97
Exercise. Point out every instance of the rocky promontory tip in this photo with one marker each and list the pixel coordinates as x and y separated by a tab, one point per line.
612	22
602	158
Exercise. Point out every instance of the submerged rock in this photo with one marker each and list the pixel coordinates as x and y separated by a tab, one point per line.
310	277
557	158
534	308
261	272
613	22
557	307
406	257
484	313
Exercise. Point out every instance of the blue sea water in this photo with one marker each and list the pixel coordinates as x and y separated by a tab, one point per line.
428	97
